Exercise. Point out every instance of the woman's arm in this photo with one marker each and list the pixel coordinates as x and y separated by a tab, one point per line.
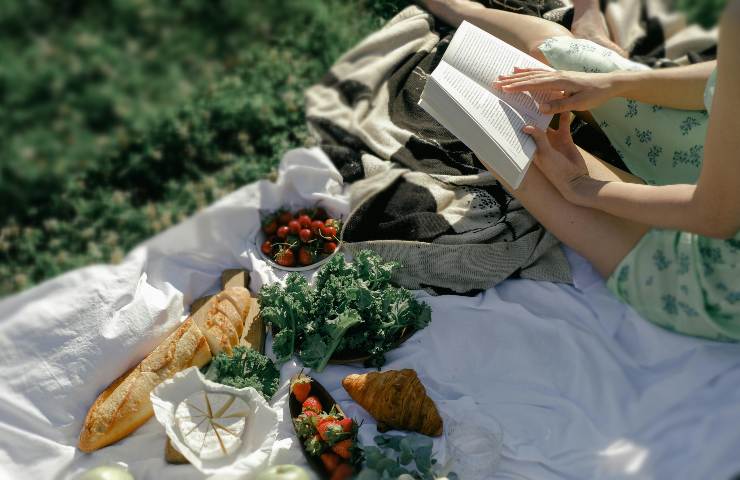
712	206
676	87
678	207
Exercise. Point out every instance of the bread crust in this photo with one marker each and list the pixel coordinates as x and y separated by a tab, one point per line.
125	405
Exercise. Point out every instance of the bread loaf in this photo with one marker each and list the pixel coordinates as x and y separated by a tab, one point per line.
125	405
221	319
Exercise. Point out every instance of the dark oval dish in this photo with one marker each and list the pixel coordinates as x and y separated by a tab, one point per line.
328	402
359	357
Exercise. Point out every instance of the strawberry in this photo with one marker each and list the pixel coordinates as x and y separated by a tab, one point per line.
285	257
300	385
347	424
343	472
342	448
330	461
314	445
312	403
330	430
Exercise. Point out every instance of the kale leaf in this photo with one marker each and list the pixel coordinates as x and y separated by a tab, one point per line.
318	349
353	307
245	367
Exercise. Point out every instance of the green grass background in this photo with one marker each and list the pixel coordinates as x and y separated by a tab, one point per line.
122	117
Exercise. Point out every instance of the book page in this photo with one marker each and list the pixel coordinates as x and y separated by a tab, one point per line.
500	120
462	125
483	57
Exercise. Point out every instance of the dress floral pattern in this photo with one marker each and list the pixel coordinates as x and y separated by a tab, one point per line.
681	281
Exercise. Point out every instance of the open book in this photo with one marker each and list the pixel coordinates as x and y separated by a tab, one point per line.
459	94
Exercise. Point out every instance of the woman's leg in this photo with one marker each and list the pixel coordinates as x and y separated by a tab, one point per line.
602	238
525	32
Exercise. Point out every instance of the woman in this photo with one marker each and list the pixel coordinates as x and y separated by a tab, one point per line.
670	248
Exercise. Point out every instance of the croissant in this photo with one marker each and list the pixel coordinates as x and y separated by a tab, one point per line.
396	399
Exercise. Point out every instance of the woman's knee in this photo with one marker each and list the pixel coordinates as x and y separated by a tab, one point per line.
545	29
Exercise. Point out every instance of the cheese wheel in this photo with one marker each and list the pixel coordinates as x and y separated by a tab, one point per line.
212	424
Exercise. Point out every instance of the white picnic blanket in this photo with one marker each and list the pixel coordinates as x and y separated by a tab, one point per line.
580	385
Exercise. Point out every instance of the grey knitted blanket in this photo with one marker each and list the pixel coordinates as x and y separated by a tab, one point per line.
419	196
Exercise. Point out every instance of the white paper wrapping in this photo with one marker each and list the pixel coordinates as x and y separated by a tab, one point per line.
259	434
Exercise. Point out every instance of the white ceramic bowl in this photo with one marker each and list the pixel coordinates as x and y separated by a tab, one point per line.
261	237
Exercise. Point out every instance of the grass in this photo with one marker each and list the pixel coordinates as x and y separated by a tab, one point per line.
123	117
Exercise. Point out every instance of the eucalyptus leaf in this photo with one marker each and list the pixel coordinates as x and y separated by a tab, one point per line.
396	455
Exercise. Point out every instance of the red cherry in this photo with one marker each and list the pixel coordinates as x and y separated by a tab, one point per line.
304	220
316	226
304	256
282	232
294	227
267	247
330	247
270	227
328	232
305	235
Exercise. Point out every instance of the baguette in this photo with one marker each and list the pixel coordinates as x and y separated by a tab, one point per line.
222	319
125	405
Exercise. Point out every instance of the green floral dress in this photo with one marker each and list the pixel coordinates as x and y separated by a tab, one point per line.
681	281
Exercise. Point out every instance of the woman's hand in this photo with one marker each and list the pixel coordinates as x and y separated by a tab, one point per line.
558	157
579	91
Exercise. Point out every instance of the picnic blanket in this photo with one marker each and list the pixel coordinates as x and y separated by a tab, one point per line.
578	384
418	194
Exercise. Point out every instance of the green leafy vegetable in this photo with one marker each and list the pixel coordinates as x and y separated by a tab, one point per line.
315	351
396	455
353	308
245	368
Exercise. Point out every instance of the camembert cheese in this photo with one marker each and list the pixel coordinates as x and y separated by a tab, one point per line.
212	424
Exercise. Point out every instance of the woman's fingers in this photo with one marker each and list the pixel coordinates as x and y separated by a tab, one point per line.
562	134
564	123
537	84
567	104
521	77
540	138
521	69
524	73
